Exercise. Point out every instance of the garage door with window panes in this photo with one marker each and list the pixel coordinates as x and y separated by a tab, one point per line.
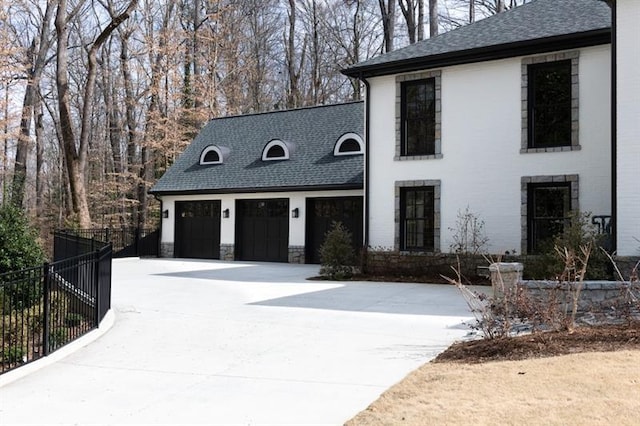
262	230
322	212
198	229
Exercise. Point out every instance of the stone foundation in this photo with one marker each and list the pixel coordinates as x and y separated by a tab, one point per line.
296	254
166	249
227	252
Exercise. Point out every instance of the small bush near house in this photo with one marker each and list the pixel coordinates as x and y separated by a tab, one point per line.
579	233
336	253
468	234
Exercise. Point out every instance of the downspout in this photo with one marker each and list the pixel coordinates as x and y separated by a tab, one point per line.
614	129
160	228
367	113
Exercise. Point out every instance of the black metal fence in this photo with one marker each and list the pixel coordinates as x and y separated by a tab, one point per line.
126	242
45	307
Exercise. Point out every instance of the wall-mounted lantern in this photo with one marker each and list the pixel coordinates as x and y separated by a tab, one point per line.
165	214
295	213
225	213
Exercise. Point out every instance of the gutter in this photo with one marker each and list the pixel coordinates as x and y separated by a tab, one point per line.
485	53
367	112
614	129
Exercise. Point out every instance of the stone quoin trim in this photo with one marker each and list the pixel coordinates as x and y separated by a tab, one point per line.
438	118
575	101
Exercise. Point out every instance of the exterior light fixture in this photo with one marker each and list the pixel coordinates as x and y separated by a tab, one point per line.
165	214
225	213
295	213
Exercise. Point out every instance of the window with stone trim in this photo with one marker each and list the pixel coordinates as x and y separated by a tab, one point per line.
418	116
418	216
548	201
550	103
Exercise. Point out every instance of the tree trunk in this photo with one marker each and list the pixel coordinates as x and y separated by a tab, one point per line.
387	10
433	18
420	20
472	11
37	63
407	7
77	158
500	7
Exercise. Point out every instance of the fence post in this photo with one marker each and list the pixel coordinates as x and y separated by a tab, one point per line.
97	280
46	301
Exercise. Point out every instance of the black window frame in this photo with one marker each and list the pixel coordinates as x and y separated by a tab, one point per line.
428	220
534	220
549	112
410	119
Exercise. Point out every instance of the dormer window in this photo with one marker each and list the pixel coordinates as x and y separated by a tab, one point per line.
349	144
213	155
276	150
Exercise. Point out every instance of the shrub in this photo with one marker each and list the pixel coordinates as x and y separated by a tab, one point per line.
336	253
579	233
13	354
19	248
468	234
58	337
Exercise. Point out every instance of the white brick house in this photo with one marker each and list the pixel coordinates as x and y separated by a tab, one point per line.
627	138
510	116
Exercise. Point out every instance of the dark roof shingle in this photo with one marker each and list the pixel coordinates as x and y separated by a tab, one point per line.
535	21
314	132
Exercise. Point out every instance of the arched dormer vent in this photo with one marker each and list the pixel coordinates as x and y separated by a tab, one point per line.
214	155
277	150
349	144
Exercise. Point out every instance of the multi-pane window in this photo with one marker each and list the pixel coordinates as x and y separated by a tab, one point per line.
548	212
417	231
418	117
549	104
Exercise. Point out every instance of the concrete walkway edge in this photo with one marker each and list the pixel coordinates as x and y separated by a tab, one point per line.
27	369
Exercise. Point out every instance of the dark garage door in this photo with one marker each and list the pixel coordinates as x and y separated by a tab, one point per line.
262	230
322	212
198	229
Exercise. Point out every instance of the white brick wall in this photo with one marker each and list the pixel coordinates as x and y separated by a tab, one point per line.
628	127
481	164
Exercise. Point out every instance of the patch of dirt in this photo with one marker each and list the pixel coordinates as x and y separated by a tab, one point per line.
603	338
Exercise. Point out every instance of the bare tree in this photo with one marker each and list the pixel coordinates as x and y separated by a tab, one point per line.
388	13
76	155
433	18
36	57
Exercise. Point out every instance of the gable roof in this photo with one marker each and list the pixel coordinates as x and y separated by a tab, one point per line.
312	131
535	27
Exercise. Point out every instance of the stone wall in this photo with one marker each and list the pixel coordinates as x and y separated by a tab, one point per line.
599	301
227	252
296	254
166	250
421	264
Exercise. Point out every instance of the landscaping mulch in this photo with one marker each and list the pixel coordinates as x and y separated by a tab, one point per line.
604	338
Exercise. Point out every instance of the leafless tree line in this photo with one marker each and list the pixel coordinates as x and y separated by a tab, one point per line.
98	98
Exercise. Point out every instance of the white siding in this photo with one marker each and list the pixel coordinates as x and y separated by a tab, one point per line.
228	201
628	127
481	139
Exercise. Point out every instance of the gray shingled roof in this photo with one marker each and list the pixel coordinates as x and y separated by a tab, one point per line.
538	20
314	131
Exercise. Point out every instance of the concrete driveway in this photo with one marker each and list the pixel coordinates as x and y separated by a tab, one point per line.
208	342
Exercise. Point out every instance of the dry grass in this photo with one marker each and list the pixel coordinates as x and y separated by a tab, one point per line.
580	389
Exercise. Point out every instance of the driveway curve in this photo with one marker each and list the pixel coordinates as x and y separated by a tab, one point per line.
209	342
